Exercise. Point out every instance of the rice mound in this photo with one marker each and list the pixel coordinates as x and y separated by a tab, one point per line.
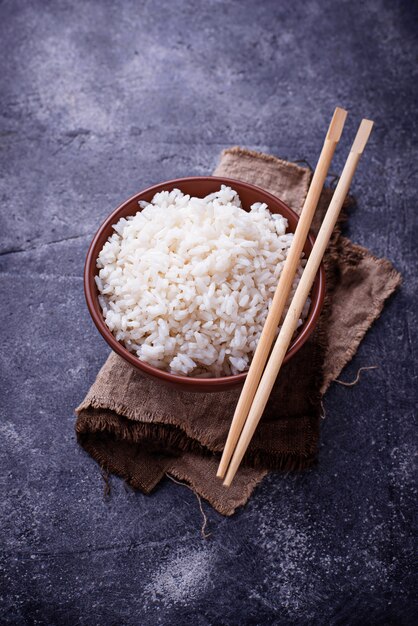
186	283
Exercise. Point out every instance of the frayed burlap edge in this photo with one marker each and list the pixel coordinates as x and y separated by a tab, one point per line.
171	437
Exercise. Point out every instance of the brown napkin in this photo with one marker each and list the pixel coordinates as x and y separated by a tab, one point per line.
140	429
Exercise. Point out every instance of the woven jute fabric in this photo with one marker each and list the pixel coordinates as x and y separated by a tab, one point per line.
141	429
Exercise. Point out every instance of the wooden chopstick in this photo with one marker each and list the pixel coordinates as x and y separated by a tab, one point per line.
283	288
289	325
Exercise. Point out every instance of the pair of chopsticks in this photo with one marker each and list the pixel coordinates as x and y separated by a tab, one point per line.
258	384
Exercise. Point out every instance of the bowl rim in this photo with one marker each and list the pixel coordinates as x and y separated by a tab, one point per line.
187	381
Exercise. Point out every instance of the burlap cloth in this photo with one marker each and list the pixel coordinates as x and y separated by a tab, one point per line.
141	429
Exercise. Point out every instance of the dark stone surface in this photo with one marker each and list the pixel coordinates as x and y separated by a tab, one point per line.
98	100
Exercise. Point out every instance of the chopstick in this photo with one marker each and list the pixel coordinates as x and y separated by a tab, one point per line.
283	288
289	325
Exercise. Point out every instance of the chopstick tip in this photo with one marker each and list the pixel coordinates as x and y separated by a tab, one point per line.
337	124
362	136
232	470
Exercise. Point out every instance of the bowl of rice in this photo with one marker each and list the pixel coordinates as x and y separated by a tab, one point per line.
179	279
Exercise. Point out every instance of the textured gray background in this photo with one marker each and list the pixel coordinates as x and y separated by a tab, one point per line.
98	100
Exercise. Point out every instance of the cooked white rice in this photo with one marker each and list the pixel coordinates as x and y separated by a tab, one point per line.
186	283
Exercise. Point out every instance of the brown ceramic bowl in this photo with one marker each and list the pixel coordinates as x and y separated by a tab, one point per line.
199	186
